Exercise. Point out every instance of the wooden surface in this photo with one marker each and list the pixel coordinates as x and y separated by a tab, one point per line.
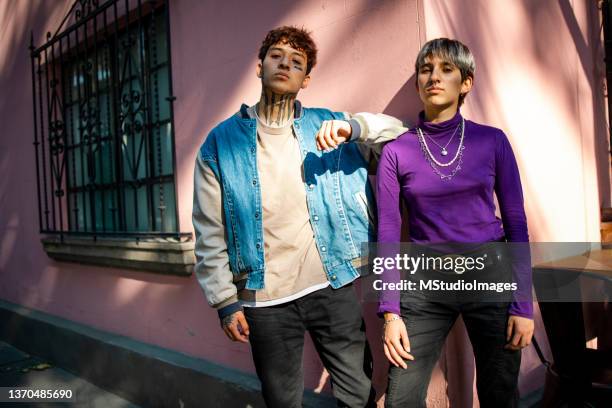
598	263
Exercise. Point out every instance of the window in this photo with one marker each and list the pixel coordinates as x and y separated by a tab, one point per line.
103	114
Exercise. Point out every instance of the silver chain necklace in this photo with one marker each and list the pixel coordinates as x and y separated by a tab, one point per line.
443	150
431	156
435	163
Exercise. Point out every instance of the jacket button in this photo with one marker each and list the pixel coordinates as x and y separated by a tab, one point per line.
257	215
305	152
333	277
254	182
316	218
252	150
323	249
311	187
258	246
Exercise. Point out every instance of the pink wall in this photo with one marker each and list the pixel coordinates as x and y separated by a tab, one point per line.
539	77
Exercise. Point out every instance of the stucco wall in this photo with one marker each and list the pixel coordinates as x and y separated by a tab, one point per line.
539	78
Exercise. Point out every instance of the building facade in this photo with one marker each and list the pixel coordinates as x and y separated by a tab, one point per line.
103	118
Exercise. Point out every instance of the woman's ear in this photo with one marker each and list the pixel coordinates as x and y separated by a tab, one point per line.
466	86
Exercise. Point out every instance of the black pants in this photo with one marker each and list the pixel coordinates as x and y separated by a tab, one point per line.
333	319
428	324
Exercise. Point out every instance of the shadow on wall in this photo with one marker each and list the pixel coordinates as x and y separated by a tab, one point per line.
405	104
591	58
19	246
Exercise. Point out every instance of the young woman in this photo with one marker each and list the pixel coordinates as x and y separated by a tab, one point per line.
446	170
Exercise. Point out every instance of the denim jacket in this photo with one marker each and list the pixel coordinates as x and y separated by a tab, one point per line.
337	192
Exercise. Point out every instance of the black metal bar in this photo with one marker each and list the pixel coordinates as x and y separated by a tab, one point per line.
115	71
606	11
148	181
145	109
109	98
171	98
65	18
155	68
74	26
72	132
49	122
157	159
131	133
57	143
42	139
110	138
78	145
91	169
36	142
64	111
98	121
80	83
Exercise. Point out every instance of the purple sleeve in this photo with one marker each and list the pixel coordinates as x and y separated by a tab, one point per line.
389	223
510	198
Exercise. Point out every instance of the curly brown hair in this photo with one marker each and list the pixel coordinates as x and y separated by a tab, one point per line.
298	38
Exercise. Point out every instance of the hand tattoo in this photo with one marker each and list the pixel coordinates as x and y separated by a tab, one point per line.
228	320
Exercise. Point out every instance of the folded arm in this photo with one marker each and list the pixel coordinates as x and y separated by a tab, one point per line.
371	131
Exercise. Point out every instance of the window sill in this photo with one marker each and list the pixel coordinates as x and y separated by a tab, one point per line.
167	256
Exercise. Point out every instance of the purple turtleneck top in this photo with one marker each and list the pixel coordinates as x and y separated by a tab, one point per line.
460	209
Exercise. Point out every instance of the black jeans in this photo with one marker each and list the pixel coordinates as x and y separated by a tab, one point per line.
428	324
333	319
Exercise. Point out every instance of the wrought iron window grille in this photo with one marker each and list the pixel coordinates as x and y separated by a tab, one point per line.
103	122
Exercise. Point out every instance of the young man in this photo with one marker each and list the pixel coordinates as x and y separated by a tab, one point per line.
279	226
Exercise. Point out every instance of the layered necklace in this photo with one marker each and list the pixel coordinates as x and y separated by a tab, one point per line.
435	163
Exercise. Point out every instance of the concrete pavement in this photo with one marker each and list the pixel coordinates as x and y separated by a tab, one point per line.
20	369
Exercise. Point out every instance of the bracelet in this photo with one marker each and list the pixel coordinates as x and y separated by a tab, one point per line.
394	318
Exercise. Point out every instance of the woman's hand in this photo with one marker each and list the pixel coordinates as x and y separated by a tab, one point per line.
519	332
395	340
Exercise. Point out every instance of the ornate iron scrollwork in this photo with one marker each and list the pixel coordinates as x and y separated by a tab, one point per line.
85	8
98	132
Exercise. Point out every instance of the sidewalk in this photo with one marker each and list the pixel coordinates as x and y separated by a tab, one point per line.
22	370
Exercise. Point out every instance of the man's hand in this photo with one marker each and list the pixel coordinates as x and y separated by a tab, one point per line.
519	332
236	327
395	341
333	133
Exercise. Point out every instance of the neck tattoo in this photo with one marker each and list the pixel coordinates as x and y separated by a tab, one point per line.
275	109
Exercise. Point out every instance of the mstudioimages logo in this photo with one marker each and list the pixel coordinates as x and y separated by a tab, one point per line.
437	285
462	285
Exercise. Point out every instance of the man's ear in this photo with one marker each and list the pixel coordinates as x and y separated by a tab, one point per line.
259	69
305	82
